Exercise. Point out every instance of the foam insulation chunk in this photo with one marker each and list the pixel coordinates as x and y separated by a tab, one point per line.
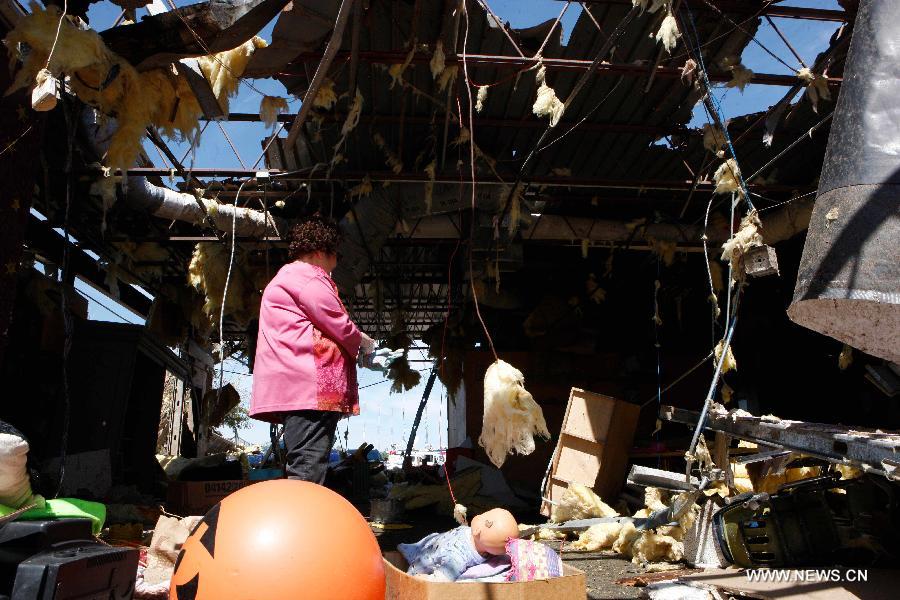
601	536
511	416
580	502
546	104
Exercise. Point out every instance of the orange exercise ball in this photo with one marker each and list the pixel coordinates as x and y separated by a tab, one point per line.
280	539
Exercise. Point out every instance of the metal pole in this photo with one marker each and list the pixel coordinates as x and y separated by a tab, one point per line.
412	434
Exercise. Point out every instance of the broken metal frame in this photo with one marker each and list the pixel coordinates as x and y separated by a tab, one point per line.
877	453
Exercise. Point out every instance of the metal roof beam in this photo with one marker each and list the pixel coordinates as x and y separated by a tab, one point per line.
557	64
772	10
419	177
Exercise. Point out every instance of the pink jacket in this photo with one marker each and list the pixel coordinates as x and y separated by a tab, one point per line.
307	347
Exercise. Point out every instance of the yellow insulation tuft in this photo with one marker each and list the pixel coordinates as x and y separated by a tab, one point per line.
270	107
511	416
326	96
546	104
730	364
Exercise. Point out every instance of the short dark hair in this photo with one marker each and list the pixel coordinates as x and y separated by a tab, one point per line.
313	234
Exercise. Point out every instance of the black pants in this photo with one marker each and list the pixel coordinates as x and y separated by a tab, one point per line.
308	438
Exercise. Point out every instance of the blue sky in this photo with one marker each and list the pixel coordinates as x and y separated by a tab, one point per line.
387	418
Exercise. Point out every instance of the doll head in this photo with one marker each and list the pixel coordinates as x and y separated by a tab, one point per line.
491	530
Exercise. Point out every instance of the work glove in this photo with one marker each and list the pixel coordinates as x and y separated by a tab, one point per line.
380	360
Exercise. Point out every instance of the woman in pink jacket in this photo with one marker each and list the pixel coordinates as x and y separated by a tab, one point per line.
304	375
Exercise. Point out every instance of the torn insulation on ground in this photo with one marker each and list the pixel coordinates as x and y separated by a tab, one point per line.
580	502
511	416
546	104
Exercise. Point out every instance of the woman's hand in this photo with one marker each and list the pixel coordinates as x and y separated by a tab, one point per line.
366	345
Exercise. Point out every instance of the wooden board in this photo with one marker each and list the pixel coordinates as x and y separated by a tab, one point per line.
596	435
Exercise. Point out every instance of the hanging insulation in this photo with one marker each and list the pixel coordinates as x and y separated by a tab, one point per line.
688	70
668	33
460	514
207	272
580	502
511	416
713	138
403	376
353	114
447	78
816	87
546	104
270	107
363	188
740	75
664	249
481	98
429	185
223	70
326	96
845	359
396	70
390	158
106	81
728	178
747	236
730	363
437	60
655	5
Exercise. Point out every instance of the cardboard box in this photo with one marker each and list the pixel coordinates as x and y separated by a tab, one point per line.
597	433
400	586
197	497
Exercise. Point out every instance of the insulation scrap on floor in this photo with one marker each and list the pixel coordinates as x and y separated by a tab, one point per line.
511	416
580	502
655	547
601	536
